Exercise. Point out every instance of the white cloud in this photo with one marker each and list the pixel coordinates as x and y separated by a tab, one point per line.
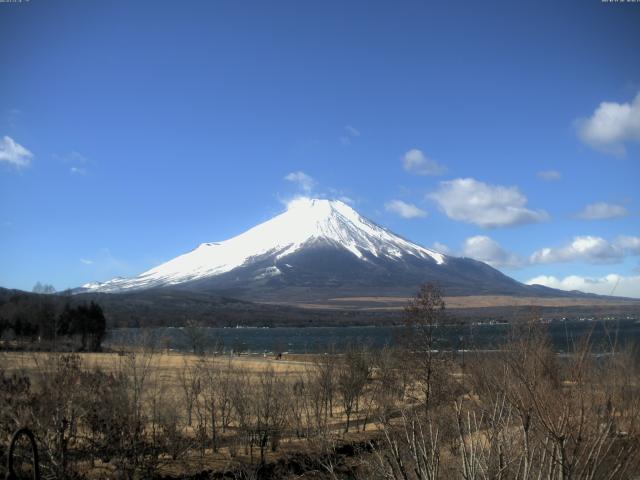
590	249
549	175
587	248
602	210
304	181
86	261
489	251
78	170
14	153
488	206
415	161
612	284
405	210
611	125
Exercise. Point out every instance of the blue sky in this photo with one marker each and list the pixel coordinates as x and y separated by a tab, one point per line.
130	132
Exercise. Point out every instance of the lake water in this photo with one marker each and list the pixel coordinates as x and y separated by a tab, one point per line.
563	334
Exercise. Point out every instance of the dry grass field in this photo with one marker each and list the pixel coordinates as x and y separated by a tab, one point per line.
166	364
175	381
517	413
480	301
393	303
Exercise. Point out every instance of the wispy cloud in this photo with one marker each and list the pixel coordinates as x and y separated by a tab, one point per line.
76	161
601	211
612	284
104	265
611	125
339	194
12	116
415	161
488	206
549	175
304	181
349	134
14	153
352	131
405	210
590	249
442	248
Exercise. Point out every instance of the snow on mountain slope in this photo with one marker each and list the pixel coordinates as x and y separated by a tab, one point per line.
305	222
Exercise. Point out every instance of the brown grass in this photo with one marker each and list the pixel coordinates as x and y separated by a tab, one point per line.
166	364
473	301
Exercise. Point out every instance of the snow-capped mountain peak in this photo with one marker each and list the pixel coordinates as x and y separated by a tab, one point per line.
306	222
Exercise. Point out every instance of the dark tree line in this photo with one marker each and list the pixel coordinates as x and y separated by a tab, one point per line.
86	321
46	318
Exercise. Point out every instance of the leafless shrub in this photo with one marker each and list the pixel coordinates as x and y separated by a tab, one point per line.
423	316
563	413
410	450
270	409
352	376
189	377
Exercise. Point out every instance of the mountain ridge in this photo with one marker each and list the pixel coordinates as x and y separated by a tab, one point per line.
315	250
305	223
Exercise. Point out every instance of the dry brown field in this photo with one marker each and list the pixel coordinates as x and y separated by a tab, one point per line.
161	362
478	301
391	303
474	411
164	372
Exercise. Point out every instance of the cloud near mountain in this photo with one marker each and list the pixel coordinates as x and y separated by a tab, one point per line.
488	206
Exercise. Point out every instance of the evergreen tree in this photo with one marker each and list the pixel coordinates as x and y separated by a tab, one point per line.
97	325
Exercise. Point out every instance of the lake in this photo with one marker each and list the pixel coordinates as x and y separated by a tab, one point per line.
564	334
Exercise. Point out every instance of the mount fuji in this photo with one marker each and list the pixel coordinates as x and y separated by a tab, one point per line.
319	249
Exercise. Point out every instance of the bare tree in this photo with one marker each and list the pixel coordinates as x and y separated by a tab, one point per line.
216	395
318	382
271	405
423	315
58	411
196	336
389	380
325	380
541	416
410	450
242	410
190	385
352	377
